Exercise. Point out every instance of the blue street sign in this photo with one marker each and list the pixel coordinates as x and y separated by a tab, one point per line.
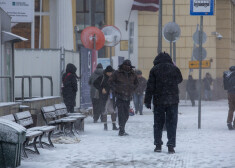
202	7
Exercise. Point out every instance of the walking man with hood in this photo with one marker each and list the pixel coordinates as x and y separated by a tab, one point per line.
123	82
162	86
69	87
229	85
94	93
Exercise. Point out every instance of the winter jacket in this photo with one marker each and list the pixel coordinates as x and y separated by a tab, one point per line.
163	82
232	80
70	88
191	85
141	86
123	83
207	81
102	83
94	76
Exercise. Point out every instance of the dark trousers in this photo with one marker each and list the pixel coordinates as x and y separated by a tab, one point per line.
231	103
168	114
113	117
98	108
192	97
123	113
70	109
138	102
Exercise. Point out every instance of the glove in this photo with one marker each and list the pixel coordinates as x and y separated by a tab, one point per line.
148	106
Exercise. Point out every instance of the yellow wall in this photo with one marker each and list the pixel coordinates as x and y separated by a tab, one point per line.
225	26
148	37
45	26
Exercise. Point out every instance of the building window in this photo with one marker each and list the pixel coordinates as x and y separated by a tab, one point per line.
84	16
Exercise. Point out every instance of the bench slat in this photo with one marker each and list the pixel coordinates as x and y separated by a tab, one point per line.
8	117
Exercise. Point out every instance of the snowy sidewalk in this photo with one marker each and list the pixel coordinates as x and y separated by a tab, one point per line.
211	147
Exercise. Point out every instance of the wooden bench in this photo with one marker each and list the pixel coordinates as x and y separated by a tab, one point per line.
25	119
30	135
52	117
61	111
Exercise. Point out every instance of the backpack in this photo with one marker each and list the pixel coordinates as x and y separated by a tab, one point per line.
228	79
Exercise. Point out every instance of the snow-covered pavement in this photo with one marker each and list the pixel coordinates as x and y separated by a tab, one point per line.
213	146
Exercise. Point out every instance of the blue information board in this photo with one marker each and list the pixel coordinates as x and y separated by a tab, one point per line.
202	7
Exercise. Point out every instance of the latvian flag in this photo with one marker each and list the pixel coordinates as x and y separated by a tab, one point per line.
146	5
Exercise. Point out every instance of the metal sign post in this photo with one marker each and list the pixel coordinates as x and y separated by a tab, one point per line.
200	72
174	44
201	8
159	49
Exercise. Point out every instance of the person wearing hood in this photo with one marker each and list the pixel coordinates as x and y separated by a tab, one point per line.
230	82
69	88
162	87
106	97
94	93
123	83
191	89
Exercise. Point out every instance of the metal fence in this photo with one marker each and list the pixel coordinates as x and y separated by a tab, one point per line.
37	65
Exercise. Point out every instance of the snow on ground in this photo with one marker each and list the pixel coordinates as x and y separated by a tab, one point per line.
213	146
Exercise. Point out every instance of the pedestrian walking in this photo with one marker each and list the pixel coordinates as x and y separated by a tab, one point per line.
123	82
162	86
69	87
106	97
191	89
229	85
207	81
94	94
139	93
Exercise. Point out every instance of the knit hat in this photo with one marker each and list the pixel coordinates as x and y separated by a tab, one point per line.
127	63
138	72
109	69
99	66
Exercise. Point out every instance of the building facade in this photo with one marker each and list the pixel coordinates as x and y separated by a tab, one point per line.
58	19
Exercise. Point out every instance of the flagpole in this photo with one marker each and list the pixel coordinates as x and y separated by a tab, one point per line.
127	21
160	27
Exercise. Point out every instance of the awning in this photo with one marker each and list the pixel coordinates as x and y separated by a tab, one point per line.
10	37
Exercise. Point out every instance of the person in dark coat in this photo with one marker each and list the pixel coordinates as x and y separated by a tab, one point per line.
139	93
162	86
191	89
97	108
101	83
207	81
69	88
231	98
123	82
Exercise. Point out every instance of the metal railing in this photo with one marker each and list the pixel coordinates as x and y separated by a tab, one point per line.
30	78
22	86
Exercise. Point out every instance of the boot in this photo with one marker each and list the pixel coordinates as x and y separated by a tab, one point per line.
105	127
158	148
230	127
115	127
171	150
121	131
